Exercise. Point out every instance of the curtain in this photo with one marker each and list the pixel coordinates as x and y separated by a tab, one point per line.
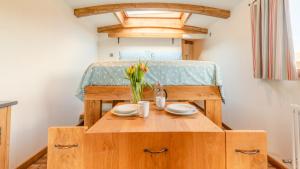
272	43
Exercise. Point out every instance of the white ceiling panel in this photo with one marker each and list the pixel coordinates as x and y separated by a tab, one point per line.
201	20
226	4
99	20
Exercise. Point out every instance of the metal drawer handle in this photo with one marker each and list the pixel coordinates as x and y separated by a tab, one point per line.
155	152
248	152
58	146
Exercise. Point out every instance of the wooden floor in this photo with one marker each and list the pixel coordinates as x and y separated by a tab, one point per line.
42	164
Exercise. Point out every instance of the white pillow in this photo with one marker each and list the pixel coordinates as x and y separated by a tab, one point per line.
169	55
135	55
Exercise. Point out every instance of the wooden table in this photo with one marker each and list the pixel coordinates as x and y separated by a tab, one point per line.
158	121
161	141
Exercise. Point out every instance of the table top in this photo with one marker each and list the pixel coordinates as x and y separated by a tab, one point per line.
157	121
7	103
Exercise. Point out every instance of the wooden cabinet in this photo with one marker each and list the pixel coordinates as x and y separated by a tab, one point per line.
246	150
66	148
161	141
4	137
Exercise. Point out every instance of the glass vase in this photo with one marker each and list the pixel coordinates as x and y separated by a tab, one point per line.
136	93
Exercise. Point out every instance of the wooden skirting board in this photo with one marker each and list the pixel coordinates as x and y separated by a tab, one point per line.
33	159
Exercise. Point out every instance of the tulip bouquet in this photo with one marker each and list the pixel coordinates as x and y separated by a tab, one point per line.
136	75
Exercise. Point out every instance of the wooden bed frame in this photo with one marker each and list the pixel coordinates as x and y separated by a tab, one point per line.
95	95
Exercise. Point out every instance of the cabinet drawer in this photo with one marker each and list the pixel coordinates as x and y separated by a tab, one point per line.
66	148
246	149
155	150
205	150
126	151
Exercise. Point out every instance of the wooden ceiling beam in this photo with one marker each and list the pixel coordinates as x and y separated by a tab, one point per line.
194	28
119	29
109	28
187	8
145	35
185	17
120	17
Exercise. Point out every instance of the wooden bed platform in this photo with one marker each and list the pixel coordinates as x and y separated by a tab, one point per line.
95	95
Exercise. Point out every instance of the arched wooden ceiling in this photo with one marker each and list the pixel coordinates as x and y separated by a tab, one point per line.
152	27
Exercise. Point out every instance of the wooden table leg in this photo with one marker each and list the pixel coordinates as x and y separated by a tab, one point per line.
92	112
213	110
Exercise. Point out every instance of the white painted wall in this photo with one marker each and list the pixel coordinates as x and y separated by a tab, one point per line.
250	103
110	45
44	51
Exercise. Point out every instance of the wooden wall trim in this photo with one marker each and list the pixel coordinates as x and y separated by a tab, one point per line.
274	162
33	159
188	8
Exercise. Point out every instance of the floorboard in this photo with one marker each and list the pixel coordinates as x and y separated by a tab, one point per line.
42	164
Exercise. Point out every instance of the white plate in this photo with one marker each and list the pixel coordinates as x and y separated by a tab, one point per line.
181	114
125	109
181	108
125	115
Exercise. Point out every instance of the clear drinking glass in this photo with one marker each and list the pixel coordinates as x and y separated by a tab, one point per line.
160	97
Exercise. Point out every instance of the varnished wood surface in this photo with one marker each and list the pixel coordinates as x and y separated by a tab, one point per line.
152	32
120	17
122	140
158	121
213	110
126	150
109	8
185	17
246	141
5	114
174	93
93	111
157	24
66	158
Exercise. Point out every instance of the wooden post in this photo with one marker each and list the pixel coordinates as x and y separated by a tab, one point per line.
92	112
213	110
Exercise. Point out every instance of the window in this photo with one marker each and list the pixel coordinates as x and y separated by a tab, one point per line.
295	17
153	14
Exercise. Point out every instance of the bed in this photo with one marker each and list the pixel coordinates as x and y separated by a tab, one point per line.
182	80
